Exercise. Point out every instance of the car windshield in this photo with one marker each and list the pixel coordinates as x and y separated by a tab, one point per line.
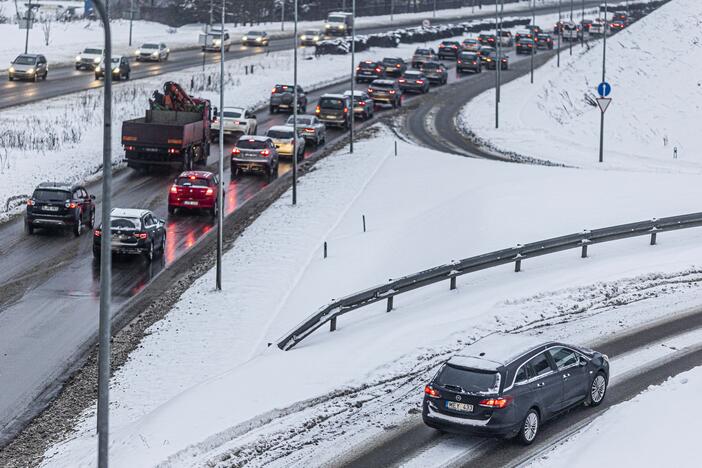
422	52
505	34
250	144
391	60
114	60
300	120
470	41
283	89
431	66
381	86
150	46
469	380
192	180
544	37
25	60
51	195
231	114
311	32
125	223
336	18
93	51
527	41
449	43
331	103
254	33
280	134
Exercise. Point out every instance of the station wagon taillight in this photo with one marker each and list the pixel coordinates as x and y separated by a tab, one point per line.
236	151
265	152
141	235
174	188
431	392
498	403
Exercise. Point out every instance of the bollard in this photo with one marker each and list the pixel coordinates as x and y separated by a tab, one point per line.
364	223
325	249
246	70
653	238
192	83
332	324
209	81
583	254
518	265
453	283
395	147
390	303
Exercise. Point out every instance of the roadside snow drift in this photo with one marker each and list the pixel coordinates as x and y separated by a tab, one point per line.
655	69
185	396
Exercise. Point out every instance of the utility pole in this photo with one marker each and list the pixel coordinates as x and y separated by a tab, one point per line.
434	11
497	67
392	10
353	67
28	18
282	15
570	42
533	48
131	20
582	25
207	35
560	35
294	168
220	189
104	328
604	61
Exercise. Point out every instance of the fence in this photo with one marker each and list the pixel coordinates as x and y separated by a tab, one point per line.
449	272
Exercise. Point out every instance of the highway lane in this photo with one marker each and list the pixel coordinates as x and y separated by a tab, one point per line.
408	441
50	282
65	79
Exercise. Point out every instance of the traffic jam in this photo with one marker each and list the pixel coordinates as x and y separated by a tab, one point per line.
178	130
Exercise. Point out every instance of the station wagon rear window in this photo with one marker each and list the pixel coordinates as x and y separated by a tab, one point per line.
196	182
250	144
468	380
232	114
280	134
331	103
51	195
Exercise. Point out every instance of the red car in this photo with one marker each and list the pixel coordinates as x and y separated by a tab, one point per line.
194	190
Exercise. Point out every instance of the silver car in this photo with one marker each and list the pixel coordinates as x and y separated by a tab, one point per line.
28	67
152	52
310	128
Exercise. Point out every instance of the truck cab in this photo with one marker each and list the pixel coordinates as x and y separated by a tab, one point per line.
338	24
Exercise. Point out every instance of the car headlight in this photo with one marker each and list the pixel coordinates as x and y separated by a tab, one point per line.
96	60
137	52
115	70
78	57
343	26
303	37
97	69
30	71
155	54
259	39
245	38
11	69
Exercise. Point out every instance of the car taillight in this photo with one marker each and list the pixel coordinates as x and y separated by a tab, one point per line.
309	129
460	61
209	191
474	62
173	151
361	103
420	81
129	148
401	81
98	233
71	205
236	122
358	68
236	151
454	47
316	110
30	202
377	70
273	91
392	91
431	392
346	109
499	403
265	152
141	235
174	188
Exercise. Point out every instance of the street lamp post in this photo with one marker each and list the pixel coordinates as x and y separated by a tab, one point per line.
560	35
220	188
131	20
353	67
570	42
604	61
295	136
497	67
282	15
533	22
104	331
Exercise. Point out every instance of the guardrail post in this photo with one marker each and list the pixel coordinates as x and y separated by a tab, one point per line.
325	249
453	283
653	238
332	324
583	253
389	308
518	265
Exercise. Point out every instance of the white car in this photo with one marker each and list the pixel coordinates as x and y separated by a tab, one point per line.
89	58
237	120
152	52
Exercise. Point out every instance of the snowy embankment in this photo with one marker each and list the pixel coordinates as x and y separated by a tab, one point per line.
657	428
188	403
656	91
67	39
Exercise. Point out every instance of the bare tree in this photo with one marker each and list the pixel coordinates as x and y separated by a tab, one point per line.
46	27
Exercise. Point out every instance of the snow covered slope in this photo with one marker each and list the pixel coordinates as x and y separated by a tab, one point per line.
185	394
655	69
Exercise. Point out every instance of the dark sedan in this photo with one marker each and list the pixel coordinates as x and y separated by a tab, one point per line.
435	72
544	41
449	50
132	231
368	71
492	59
414	82
507	385
526	46
487	39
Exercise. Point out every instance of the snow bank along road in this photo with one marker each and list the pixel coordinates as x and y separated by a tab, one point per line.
636	364
64	80
55	274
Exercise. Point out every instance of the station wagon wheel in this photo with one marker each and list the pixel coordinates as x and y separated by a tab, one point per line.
597	389
78	227
150	253
530	427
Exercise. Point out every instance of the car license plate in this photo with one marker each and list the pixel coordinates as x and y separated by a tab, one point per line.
50	208
389	68
190	202
454	405
284	106
329	117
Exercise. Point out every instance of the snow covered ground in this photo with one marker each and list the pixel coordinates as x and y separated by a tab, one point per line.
179	402
654	68
67	39
632	433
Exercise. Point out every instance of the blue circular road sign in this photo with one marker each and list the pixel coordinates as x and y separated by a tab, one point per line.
603	89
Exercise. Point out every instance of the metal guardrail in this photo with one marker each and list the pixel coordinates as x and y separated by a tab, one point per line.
331	312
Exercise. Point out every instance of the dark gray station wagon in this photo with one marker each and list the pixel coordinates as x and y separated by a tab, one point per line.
507	385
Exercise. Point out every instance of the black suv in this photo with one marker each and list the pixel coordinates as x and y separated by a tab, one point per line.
449	50
334	110
282	97
507	385
386	92
132	231
394	66
368	71
57	205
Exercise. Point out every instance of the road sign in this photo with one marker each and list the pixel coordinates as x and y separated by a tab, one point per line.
603	103
426	23
603	89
